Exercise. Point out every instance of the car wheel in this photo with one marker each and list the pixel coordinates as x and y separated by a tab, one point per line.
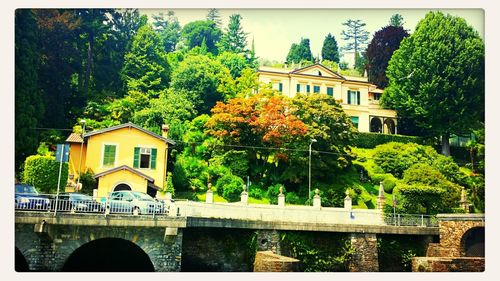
136	211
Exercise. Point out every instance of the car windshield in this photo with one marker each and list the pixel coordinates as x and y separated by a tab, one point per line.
24	188
141	196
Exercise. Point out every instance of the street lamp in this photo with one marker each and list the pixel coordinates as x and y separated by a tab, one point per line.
83	122
310	147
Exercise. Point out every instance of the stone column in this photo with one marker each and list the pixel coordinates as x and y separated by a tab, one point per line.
464	203
317	200
380	197
347	202
281	198
365	257
244	196
210	195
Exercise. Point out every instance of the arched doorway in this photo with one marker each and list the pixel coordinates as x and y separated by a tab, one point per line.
473	242
375	125
389	126
108	255
20	263
122	186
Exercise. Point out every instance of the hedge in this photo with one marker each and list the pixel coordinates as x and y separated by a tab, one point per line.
43	171
371	140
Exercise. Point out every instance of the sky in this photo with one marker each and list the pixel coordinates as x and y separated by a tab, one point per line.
274	30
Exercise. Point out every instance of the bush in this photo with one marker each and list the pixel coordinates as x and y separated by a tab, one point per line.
273	191
256	192
179	178
389	183
237	162
425	190
43	172
169	186
88	182
292	198
371	140
230	187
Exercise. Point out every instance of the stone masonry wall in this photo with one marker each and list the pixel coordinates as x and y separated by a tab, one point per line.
365	257
443	264
49	251
450	236
267	261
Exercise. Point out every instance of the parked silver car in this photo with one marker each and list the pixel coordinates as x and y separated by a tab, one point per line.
135	202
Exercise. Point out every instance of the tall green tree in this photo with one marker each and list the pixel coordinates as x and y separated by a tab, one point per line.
300	52
213	15
355	34
29	107
330	50
436	77
396	20
235	39
169	29
380	50
197	32
206	80
146	68
234	62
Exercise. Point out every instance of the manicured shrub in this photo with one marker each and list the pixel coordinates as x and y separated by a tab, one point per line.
179	179
371	140
425	190
43	172
389	183
231	187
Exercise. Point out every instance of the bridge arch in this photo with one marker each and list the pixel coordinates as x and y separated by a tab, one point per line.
472	242
109	255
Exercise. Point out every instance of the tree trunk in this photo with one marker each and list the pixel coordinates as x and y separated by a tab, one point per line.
445	144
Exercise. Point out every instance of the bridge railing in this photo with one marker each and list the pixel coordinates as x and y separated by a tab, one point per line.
411	220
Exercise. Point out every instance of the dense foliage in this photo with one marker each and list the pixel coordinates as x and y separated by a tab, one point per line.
300	52
43	173
330	50
371	140
436	77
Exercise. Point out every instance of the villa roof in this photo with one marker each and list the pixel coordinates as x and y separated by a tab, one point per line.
74	137
130	125
124	168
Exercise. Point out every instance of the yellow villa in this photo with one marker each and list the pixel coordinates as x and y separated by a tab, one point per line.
359	98
123	157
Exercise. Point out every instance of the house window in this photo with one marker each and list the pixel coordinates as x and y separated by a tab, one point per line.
298	88
308	88
316	89
376	96
353	97
109	155
329	91
280	87
145	158
355	121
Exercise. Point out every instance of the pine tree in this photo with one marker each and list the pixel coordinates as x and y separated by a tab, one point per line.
235	39
213	15
168	28
330	49
300	52
356	34
396	20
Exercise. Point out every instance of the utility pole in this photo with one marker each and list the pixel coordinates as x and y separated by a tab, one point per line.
310	150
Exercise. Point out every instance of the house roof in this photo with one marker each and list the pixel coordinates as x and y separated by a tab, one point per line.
122	168
130	125
318	65
74	137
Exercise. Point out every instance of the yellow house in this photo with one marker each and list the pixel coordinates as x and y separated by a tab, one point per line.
122	157
359	98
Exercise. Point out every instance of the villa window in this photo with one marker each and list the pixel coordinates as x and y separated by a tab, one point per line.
329	91
353	97
145	158
316	89
308	88
376	96
355	121
109	155
280	87
298	88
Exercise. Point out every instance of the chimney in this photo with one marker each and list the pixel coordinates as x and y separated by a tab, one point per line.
164	130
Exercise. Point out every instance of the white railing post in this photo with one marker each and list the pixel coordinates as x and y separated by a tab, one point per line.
244	196
316	200
281	198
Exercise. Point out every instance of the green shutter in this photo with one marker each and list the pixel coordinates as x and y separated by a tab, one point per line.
359	98
298	88
329	91
308	88
153	159
280	87
348	97
137	152
109	155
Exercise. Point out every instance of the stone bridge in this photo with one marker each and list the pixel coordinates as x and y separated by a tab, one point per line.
92	242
